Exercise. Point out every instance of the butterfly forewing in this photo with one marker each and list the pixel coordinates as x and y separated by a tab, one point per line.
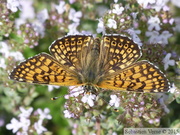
141	76
70	50
119	52
43	69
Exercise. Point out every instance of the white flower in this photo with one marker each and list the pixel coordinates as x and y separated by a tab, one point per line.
145	3
17	56
44	114
112	23
75	91
88	98
27	12
73	28
167	61
43	15
117	9
25	123
68	114
72	1
39	127
134	36
176	3
15	125
4	49
154	23
61	7
154	35
75	16
173	88
52	87
2	63
100	27
13	5
163	38
25	112
159	5
115	101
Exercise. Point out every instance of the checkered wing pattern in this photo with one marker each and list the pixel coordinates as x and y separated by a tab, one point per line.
71	50
141	76
118	52
43	69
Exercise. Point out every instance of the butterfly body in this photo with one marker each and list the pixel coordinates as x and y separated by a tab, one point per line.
108	63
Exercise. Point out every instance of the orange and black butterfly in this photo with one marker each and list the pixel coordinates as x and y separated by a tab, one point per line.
108	63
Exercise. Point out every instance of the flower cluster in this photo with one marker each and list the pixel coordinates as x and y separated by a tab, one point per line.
7	20
28	122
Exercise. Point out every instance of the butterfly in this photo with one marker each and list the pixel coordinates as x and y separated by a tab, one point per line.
109	62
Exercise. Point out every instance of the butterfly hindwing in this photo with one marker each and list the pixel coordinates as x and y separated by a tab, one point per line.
141	76
43	69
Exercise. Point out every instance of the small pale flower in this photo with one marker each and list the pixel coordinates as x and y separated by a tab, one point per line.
73	28
13	5
117	9
112	23
167	61
145	3
2	63
61	7
39	127
75	16
159	5
17	56
43	15
75	91
25	123
27	12
52	87
44	114
72	1
100	27
154	23
153	36
163	38
15	125
176	3
134	35
115	101
89	99
172	89
25	112
68	114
